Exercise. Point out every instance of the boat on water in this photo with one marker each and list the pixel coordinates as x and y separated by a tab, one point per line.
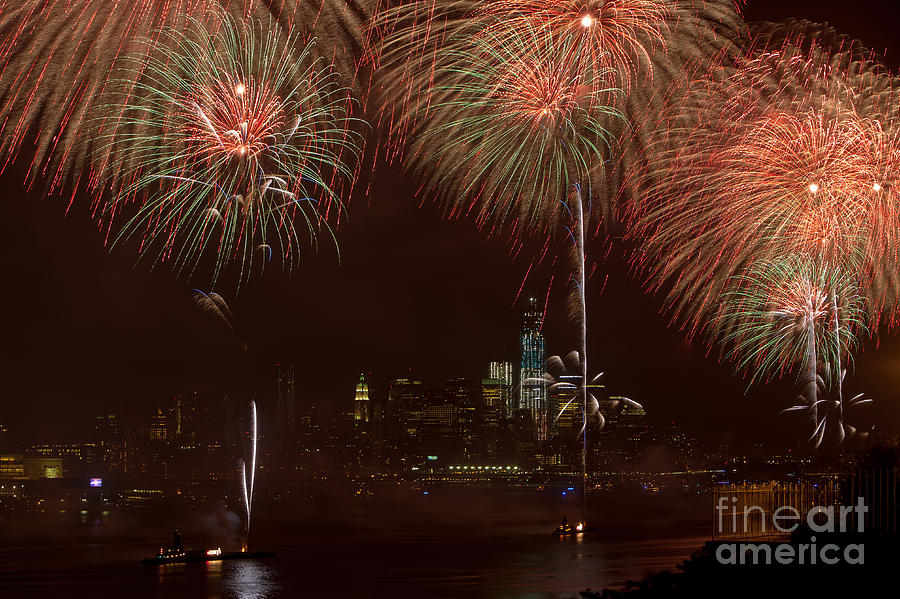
177	554
565	529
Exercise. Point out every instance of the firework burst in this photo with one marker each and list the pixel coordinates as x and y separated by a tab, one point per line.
788	148
757	188
796	315
790	313
232	139
419	43
513	131
616	37
775	168
60	62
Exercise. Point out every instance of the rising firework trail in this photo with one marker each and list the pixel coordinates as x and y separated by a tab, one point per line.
582	304
247	481
560	384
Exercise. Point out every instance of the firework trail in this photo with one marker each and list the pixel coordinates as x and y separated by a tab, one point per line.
213	304
58	59
231	141
795	315
559	382
247	481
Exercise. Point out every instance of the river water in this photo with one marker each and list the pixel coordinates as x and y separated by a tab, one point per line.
441	545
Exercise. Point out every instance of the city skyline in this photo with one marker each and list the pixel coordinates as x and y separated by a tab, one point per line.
90	324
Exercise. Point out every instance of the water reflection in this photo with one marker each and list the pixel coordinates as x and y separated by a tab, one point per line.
249	579
170	573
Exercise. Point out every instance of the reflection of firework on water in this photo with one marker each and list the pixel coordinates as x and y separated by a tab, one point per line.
513	130
232	139
248	479
58	57
795	315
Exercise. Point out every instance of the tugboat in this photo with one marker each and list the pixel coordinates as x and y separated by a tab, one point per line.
565	529
177	554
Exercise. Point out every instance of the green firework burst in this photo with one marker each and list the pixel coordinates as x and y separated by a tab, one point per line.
234	142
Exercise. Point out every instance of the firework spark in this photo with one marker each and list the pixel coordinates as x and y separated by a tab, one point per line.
577	392
231	139
213	304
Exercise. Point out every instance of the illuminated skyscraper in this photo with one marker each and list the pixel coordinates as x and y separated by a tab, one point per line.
502	373
532	391
361	411
158	428
566	405
494	395
285	394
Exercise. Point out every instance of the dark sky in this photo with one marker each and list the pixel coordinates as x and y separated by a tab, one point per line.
86	330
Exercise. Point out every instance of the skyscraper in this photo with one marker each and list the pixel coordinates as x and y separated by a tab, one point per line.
285	394
406	404
502	372
566	404
532	390
158	428
110	441
361	411
464	395
494	394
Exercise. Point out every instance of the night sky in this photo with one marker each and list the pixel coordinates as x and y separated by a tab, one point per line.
86	330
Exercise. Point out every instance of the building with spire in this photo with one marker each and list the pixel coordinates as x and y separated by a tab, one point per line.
361	408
